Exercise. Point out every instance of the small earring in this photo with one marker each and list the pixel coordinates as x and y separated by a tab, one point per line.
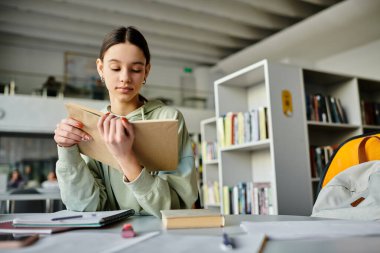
144	82
102	79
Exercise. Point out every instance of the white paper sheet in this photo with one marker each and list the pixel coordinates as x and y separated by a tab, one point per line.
287	230
85	242
170	242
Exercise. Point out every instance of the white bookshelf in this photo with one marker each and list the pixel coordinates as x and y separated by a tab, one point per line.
284	159
280	160
210	172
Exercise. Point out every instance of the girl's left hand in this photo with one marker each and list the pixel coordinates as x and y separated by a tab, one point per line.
117	133
118	136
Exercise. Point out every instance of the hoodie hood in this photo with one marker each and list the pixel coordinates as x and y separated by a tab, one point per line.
143	112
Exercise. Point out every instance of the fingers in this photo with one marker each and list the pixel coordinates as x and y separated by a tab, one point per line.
112	136
100	124
72	122
68	133
104	125
128	127
114	129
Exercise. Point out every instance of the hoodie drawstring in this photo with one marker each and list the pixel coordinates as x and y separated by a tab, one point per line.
142	113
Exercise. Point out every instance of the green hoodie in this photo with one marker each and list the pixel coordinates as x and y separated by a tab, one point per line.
88	185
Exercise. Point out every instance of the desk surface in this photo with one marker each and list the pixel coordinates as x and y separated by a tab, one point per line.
67	241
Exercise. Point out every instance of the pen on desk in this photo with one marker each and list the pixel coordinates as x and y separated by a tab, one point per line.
263	243
67	217
228	243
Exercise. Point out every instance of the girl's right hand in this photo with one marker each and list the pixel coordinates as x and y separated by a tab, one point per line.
69	133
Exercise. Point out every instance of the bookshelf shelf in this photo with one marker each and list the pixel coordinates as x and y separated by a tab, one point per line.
331	126
211	162
371	127
328	124
213	205
264	144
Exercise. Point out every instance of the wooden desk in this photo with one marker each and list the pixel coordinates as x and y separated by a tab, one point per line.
67	241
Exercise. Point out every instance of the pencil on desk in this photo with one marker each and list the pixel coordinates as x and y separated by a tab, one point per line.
67	217
263	243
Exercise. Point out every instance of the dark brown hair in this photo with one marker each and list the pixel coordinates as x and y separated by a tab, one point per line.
125	34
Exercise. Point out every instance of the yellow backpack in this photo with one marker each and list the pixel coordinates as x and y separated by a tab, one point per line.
356	150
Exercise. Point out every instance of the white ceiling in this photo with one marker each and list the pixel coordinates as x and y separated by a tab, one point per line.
197	32
340	29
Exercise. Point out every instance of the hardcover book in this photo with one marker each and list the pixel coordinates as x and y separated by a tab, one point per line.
155	144
191	218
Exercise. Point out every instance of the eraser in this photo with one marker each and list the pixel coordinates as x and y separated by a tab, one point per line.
127	226
128	233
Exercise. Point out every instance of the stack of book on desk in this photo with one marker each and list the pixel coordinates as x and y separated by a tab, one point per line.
191	218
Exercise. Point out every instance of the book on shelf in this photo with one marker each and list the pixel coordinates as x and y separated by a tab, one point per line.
226	200
316	108
241	128
235	200
247	127
228	129
321	108
319	158
248	198
341	112
242	197
310	114
377	113
263	123
210	151
313	165
327	109
191	218
370	112
236	128
211	193
255	131
155	144
220	128
216	192
66	218
334	110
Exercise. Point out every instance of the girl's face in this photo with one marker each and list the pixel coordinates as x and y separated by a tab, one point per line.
124	70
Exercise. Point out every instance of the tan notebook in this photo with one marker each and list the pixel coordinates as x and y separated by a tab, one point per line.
191	218
155	145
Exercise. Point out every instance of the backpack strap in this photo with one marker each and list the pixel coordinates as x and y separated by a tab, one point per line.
361	150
